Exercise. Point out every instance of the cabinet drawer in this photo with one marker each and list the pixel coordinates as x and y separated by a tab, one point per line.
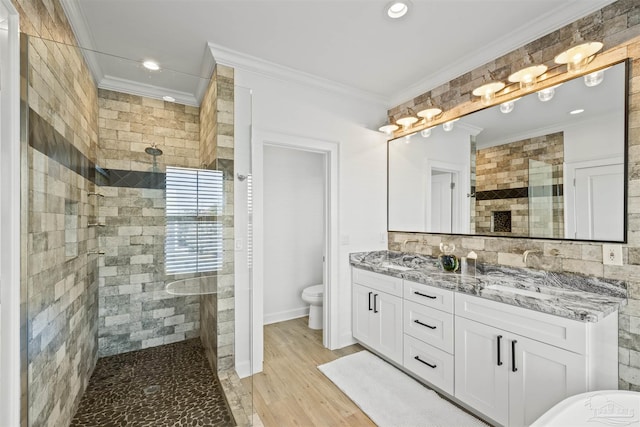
432	326
440	299
429	363
381	282
554	330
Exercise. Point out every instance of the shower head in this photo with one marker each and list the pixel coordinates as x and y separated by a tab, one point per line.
153	150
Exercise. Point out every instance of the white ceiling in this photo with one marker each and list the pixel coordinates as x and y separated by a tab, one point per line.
346	45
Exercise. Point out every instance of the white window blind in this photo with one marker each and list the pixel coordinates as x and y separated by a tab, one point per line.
193	241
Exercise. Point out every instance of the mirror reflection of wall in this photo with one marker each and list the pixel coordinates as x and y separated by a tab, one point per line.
550	166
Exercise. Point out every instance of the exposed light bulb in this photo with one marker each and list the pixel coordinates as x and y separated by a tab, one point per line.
388	129
448	126
407	139
546	94
406	122
507	107
527	77
426	133
594	79
579	56
487	92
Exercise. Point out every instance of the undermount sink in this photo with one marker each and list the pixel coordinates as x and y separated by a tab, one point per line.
395	266
518	291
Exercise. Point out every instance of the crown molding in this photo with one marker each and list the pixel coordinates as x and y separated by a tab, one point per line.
207	66
150	91
80	28
537	28
231	58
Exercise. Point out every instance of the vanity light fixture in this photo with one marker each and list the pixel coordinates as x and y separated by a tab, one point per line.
425	133
547	94
507	107
397	9
594	79
578	57
448	126
527	77
169	98
407	121
389	129
487	92
151	65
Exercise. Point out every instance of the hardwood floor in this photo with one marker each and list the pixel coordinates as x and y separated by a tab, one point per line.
291	391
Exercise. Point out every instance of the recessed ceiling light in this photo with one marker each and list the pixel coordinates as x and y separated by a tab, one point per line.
151	65
397	9
169	98
578	111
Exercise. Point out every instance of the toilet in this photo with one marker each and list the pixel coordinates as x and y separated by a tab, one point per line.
313	295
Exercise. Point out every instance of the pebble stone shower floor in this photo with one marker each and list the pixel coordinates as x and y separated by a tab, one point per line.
171	385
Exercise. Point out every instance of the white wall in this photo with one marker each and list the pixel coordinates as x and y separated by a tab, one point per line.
584	140
316	113
293	229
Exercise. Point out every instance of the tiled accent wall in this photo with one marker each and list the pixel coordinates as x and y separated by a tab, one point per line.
617	26
135	311
130	123
59	290
216	150
502	181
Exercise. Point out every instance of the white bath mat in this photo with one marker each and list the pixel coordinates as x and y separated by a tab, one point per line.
390	397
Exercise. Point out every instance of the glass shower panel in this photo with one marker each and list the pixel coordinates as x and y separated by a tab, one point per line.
541	216
101	309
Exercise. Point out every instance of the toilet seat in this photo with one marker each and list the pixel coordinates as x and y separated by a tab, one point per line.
313	291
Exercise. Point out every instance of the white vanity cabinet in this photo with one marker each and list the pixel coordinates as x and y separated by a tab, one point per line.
507	363
506	368
377	313
428	334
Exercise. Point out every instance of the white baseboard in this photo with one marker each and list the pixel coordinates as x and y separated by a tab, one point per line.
243	369
281	316
346	340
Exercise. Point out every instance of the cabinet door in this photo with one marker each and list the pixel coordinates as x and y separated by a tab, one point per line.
362	314
388	325
544	375
481	368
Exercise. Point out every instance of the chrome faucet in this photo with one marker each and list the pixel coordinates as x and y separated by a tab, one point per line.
528	252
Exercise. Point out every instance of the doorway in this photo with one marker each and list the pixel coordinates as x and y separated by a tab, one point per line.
329	150
595	194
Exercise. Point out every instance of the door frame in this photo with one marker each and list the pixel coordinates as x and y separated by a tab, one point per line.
460	202
260	139
568	177
10	244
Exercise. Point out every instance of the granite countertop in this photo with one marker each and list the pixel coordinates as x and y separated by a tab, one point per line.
573	296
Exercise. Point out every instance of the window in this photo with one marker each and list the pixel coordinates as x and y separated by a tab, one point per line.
193	242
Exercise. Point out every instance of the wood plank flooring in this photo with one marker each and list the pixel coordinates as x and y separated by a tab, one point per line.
291	391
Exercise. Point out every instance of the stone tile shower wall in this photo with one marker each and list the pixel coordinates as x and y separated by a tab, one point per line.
502	181
59	275
135	311
617	26
216	150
